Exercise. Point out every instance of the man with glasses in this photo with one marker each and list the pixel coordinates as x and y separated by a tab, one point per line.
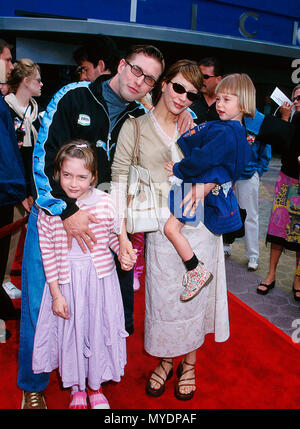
94	111
96	57
205	107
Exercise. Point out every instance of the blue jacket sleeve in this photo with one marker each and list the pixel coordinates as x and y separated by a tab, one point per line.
55	130
218	155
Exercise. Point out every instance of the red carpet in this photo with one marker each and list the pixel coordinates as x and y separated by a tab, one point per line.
257	368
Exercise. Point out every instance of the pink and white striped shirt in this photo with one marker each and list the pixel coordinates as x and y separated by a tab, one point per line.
54	245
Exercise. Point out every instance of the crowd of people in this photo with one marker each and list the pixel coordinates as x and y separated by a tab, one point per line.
66	170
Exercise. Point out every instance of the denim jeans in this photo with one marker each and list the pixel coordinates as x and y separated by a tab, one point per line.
33	282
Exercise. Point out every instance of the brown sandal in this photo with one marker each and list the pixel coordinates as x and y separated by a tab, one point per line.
158	392
180	373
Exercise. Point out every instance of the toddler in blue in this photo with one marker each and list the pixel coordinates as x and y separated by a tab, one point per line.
215	153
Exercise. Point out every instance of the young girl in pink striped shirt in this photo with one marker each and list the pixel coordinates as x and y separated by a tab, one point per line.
81	328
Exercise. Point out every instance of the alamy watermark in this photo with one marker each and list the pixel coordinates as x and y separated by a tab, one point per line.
296	73
296	332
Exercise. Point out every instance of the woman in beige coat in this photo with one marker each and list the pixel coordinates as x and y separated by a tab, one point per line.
173	328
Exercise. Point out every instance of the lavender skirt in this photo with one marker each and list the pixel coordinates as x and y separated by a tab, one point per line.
91	344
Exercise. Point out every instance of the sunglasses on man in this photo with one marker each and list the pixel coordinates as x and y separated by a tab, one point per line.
179	89
297	98
207	76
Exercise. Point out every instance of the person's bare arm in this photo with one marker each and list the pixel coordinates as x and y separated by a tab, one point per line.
59	303
127	254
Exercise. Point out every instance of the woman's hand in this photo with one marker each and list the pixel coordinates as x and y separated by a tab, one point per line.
169	166
185	121
285	111
60	306
196	194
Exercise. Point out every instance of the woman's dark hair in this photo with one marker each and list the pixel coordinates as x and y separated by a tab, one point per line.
149	50
189	70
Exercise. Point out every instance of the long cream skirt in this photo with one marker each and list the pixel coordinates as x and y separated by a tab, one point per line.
174	328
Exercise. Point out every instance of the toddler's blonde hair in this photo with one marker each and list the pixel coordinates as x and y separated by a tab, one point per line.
241	85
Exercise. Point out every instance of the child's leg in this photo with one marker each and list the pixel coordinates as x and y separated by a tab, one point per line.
97	400
172	231
78	399
197	276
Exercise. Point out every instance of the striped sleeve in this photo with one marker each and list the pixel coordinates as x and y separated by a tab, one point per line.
47	246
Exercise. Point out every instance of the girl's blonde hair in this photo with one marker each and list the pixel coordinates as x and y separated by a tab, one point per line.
22	68
241	85
80	149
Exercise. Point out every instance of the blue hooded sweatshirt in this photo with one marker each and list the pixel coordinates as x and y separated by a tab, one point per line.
216	152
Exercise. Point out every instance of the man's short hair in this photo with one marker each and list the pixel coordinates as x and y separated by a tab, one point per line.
212	62
100	48
4	44
149	50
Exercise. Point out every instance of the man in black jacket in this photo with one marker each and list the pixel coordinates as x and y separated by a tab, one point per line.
205	107
94	112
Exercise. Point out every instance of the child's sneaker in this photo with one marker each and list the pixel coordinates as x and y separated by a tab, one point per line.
78	401
194	281
97	400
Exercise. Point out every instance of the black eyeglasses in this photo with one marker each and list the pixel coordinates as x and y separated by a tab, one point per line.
297	98
138	72
179	89
207	76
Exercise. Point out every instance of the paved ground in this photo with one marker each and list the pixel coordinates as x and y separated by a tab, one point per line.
279	306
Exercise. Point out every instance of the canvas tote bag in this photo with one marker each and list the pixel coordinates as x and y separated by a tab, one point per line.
141	201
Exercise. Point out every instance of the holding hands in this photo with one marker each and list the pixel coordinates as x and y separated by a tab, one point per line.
127	254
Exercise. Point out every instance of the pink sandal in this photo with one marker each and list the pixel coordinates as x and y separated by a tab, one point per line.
97	400
78	401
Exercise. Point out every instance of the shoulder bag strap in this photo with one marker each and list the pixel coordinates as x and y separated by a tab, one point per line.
136	151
